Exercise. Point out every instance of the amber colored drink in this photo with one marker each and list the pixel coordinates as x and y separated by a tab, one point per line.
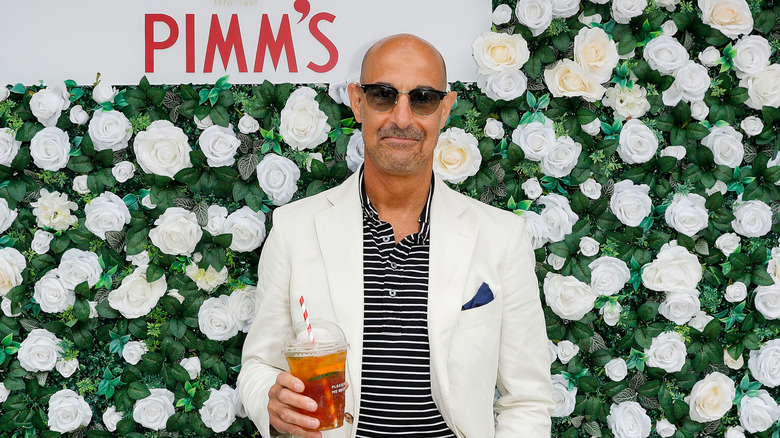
324	380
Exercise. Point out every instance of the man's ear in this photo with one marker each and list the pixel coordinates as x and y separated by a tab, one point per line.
354	101
446	106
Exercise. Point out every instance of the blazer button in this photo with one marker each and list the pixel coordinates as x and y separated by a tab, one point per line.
349	418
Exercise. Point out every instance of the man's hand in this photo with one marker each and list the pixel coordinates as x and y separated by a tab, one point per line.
284	397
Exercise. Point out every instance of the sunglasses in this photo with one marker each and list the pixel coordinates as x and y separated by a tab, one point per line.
382	98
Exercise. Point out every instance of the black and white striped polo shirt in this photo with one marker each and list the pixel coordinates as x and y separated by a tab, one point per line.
396	395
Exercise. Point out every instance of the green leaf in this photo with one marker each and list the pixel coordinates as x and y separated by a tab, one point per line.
137	391
696	131
224	240
28	131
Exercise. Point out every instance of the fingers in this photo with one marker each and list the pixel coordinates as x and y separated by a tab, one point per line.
284	398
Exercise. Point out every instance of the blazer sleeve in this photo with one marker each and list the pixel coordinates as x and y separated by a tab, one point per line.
524	384
262	359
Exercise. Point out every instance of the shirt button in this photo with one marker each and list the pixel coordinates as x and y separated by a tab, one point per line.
392	293
393	265
386	239
349	418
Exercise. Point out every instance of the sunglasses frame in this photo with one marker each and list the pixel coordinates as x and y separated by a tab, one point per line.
441	94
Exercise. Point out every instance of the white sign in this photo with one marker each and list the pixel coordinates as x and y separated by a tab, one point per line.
199	41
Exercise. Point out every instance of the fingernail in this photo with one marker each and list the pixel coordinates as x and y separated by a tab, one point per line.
312	406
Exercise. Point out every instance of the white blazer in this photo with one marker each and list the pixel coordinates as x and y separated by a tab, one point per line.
316	249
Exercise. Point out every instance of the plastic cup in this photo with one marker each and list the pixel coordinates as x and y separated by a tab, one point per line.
321	367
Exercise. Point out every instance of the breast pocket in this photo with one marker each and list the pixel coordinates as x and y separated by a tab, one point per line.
480	315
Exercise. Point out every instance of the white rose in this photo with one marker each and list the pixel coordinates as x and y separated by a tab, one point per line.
589	246
175	294
687	214
80	184
711	397
557	215
51	294
764	364
709	57
731	17
104	92
664	428
758	413
355	150
735	432
763	87
732	363
456	156
502	14
630	203
534	14
9	146
140	259
608	275
67	367
565	8
215	319
248	124
5	305
727	243
667	351
77	266
338	90
773	267
7	216
699	110
567	350
752	218
4	393
4	93
154	410
536	229
691	82
136	296
562	157
752	56
133	351
568	297
162	149
52	210
565	400
219	411
493	128
700	320
50	148
680	307
625	102
669	27
616	369
595	52
204	123
726	145
591	188
311	157
503	85
123	171
78	116
176	232
12	263
629	420
735	292
247	228
624	10
552	350
68	411
611	313
677	152
215	224
206	279
673	270
752	125
110	130
496	52
567	79
278	177
719	186
107	212
536	139
192	365
303	125
532	188
594	127
767	301
219	145
638	143
48	104
39	351
556	261
665	54
111	417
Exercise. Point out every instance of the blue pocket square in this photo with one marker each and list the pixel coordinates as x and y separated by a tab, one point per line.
484	295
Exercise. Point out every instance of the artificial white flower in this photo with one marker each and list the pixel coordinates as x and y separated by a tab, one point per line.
608	275
638	143
192	365
709	57
105	213
50	148
616	369
534	14
699	110
219	144
727	243
561	158
12	263
355	151
206	279
503	85
568	79
154	410
591	188
39	351
773	267
497	52
215	319
680	307
691	82
532	188
611	313
536	139
767	301
625	102
278	177
752	55
133	351
136	296
758	413
104	92
51	294
669	27
248	124
667	351
162	149
77	266
456	156
752	218
536	229
711	397
677	152
564	399
736	292
303	125
557	215
68	411
110	130
595	52
700	320
176	232
123	171
215	224
567	350
203	123
9	146
52	210
725	142
80	184
111	417
48	104
665	54
629	420
41	241
219	410
594	126
78	116
493	128
630	203
763	87
731	17
556	261
735	432
752	126
568	297
502	14
719	186
674	269
732	363
687	214
140	259
589	246
247	227
764	364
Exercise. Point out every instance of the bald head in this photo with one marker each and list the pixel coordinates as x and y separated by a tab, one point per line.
407	45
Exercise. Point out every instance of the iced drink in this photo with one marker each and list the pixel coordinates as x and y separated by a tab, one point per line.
321	367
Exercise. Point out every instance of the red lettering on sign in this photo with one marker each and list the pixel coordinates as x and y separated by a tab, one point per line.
283	40
190	35
225	44
333	52
151	44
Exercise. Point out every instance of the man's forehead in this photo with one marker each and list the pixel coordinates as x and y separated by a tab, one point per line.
407	56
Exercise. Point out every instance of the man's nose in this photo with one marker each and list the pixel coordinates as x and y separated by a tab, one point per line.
402	112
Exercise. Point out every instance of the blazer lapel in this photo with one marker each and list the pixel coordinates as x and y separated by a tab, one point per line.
452	246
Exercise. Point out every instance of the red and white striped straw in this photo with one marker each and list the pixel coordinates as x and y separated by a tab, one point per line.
308	323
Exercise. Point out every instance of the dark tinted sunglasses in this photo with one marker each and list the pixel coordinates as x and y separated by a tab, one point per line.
382	98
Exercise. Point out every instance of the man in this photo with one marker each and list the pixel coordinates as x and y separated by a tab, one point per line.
395	258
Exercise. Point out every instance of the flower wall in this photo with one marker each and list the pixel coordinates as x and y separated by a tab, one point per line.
637	139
